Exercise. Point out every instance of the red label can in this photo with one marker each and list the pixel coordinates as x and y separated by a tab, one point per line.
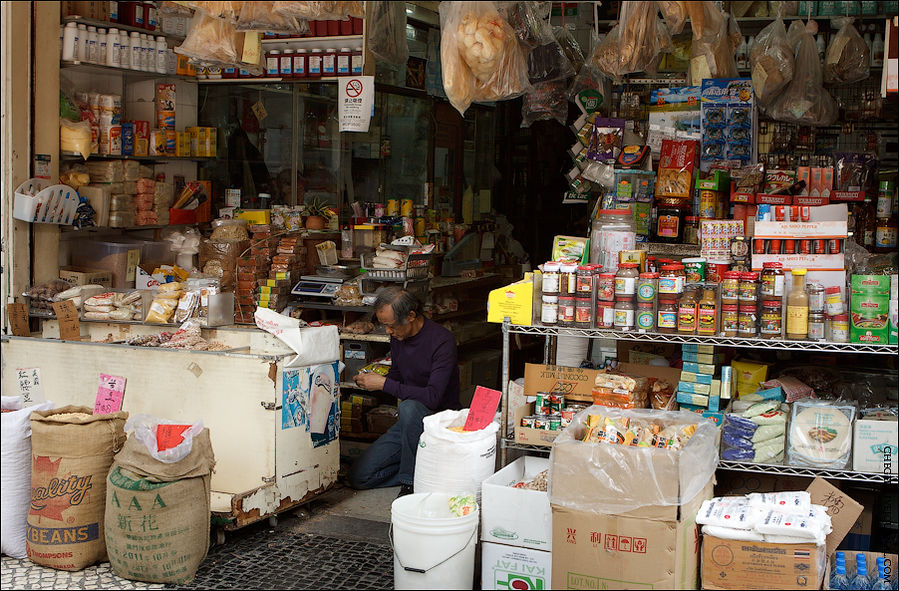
805	246
789	246
820	246
780	213
758	246
794	213
834	246
774	246
805	213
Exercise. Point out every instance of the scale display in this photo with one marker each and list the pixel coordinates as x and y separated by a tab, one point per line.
315	289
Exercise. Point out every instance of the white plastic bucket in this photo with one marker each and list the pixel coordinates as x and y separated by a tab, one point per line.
432	548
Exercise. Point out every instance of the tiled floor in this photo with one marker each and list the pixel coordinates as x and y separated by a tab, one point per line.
338	542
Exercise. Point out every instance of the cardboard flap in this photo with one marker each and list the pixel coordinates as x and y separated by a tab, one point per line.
843	510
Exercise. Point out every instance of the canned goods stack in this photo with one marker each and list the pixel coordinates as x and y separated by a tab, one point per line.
550	412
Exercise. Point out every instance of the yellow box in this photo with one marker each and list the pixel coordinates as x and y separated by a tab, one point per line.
182	147
213	141
183	67
514	301
141	146
254	216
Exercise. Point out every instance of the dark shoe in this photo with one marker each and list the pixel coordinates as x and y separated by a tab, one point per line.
405	489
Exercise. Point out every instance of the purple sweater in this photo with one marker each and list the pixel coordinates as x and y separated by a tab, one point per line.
425	368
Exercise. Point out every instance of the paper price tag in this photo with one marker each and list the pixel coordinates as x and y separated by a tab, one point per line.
483	408
259	110
67	315
30	385
18	319
110	394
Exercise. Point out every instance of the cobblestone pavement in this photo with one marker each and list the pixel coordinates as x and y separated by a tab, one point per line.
24	574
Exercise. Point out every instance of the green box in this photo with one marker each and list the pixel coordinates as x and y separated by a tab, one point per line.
876	283
641	217
869	7
808	7
869	307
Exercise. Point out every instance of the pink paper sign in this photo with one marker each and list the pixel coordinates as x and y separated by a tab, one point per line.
483	408
110	393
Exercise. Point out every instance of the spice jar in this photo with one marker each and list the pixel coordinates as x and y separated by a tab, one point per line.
730	288
839	328
668	280
749	288
680	274
772	286
624	313
686	313
567	280
583	312
748	322
585	280
647	285
691	230
707	313
605	314
816	326
605	287
667	315
549	311
626	280
817	300
834	299
646	317
730	320
566	311
551	278
771	326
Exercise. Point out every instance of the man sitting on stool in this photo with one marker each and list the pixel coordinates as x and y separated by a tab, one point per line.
423	374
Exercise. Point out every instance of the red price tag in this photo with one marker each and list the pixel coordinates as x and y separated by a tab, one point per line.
483	408
169	436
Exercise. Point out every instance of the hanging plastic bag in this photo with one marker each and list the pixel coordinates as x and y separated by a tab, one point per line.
805	101
771	60
635	44
146	430
387	32
591	90
675	15
712	53
547	63
210	40
528	21
229	11
795	32
458	81
547	101
570	47
848	57
260	16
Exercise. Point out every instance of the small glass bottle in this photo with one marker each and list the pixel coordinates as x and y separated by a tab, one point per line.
707	313
817	298
686	313
772	284
771	325
730	288
624	313
566	311
646	317
749	322
549	312
647	286
551	278
568	280
626	280
605	287
583	312
749	288
816	321
585	278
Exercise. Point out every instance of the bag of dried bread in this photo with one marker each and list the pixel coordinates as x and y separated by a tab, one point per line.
158	494
712	53
635	44
805	101
848	56
771	60
71	451
209	40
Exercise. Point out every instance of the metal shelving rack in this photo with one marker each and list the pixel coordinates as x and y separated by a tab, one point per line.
776	344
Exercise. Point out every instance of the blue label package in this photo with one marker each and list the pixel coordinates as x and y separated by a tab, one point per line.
728	123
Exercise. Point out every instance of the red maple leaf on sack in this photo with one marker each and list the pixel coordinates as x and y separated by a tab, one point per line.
53	507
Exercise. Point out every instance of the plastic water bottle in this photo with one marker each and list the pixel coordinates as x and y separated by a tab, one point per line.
882	582
838	577
860	580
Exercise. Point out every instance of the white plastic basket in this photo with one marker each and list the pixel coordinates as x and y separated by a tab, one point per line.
37	201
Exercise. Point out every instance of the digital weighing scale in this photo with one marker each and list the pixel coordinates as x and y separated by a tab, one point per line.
316	286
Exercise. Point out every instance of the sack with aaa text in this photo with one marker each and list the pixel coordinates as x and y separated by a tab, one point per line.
157	513
71	451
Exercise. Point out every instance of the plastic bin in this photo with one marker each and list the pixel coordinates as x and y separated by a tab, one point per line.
153	253
116	257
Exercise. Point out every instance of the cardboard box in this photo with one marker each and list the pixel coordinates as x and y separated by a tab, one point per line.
576	383
511	567
734	564
874	446
516	516
530	436
515	301
859	536
595	551
84	276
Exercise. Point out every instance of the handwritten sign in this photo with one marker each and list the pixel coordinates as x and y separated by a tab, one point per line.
483	408
18	319
110	393
67	315
259	110
169	436
30	385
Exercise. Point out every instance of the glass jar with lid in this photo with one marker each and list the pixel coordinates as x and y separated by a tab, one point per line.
585	277
667	315
771	325
730	288
626	280
625	311
668	280
772	282
730	320
613	231
647	287
816	322
691	230
568	280
566	311
583	312
551	278
748	321
680	271
749	288
605	287
549	311
646	317
817	297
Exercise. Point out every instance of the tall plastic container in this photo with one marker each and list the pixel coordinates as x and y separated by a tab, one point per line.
432	547
116	257
613	231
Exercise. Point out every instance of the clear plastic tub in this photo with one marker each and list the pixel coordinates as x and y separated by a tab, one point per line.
116	257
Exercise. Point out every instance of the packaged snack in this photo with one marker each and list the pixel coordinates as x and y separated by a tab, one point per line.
771	60
820	434
677	163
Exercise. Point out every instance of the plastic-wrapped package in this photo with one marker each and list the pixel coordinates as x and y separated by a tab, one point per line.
209	40
547	63
712	53
848	57
528	22
260	16
805	101
675	14
771	60
821	434
609	478
546	102
570	47
302	10
635	44
591	90
387	32
75	137
219	259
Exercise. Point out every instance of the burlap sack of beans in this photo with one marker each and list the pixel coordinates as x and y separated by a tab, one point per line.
157	514
71	451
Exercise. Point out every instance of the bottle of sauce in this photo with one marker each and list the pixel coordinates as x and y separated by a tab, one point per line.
667	323
568	280
707	313
686	313
343	61
730	288
314	68
797	308
772	286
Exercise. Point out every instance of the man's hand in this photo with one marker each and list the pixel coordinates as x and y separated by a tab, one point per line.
369	381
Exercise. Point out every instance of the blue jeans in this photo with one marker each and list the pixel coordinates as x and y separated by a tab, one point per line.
390	461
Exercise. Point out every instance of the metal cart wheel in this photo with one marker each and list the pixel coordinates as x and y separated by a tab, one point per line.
220	536
273	521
